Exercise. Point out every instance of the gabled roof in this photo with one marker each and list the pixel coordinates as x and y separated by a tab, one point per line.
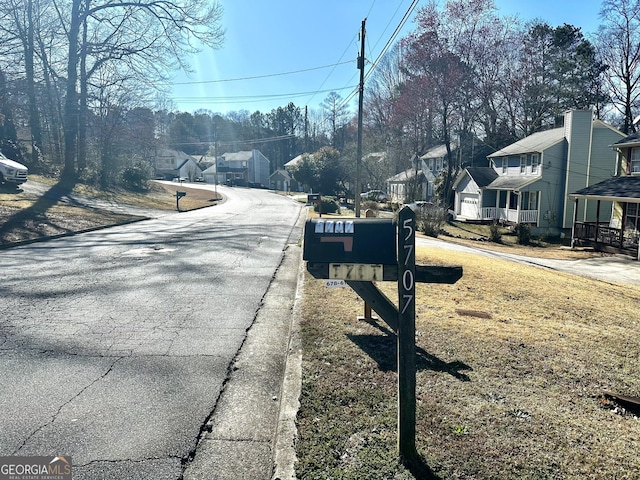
282	173
438	151
482	176
625	188
405	176
538	142
237	156
488	178
512	182
632	140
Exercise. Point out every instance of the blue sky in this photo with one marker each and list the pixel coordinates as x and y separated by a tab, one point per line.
318	39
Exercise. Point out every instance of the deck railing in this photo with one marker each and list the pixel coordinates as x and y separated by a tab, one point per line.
508	215
599	233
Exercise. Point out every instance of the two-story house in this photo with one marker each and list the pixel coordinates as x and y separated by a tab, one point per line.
246	168
530	181
419	181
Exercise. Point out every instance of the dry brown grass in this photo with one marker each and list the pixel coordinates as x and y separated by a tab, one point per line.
26	217
516	395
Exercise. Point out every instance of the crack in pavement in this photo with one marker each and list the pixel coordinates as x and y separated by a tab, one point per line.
57	413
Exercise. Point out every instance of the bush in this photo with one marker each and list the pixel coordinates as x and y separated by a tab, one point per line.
136	176
494	233
430	219
329	205
524	234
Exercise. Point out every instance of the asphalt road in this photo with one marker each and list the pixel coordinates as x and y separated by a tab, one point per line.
116	344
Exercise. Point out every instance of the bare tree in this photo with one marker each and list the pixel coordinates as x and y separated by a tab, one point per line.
138	40
337	115
618	42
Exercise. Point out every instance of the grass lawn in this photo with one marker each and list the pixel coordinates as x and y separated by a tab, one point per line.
514	364
27	217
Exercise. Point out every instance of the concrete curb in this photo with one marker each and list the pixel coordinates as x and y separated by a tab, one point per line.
285	444
251	432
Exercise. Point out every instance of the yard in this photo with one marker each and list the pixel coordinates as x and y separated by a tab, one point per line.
515	367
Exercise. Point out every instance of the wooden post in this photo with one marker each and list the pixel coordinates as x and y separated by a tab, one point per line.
406	334
367	308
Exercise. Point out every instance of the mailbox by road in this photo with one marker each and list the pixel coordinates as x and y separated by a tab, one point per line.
369	241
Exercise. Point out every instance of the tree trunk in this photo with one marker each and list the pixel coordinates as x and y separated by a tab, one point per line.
34	114
71	102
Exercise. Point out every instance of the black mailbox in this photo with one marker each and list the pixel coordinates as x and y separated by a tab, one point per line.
181	194
313	198
352	240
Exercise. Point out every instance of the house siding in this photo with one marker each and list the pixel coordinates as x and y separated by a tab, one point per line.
552	189
578	132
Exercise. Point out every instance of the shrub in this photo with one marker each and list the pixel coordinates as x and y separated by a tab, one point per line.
136	176
329	205
524	234
430	219
494	233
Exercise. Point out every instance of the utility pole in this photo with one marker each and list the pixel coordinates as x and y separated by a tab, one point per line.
361	94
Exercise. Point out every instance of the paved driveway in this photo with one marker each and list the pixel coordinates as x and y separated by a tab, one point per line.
616	268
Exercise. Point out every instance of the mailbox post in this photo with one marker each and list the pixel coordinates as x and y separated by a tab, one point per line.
361	251
407	333
179	195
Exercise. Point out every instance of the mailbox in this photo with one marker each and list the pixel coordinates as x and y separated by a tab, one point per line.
181	194
313	198
353	241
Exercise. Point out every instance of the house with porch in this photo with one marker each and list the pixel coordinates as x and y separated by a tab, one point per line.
616	226
530	181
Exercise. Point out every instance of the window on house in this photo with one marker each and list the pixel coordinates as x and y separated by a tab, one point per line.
632	222
535	161
523	163
635	160
533	201
502	199
513	200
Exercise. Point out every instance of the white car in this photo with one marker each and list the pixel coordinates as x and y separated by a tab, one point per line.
12	172
375	195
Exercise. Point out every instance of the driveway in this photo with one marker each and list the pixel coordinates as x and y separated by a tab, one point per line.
614	269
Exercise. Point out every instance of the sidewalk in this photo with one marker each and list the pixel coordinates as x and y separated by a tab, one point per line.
251	432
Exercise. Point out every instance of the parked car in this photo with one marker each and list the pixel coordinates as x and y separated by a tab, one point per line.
12	172
375	196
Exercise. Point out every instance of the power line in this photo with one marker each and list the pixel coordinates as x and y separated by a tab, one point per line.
395	33
251	98
201	82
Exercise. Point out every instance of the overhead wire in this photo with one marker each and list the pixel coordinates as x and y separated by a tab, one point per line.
374	64
200	82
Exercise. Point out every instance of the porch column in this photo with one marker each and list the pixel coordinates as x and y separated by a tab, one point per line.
575	219
518	198
597	218
624	223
